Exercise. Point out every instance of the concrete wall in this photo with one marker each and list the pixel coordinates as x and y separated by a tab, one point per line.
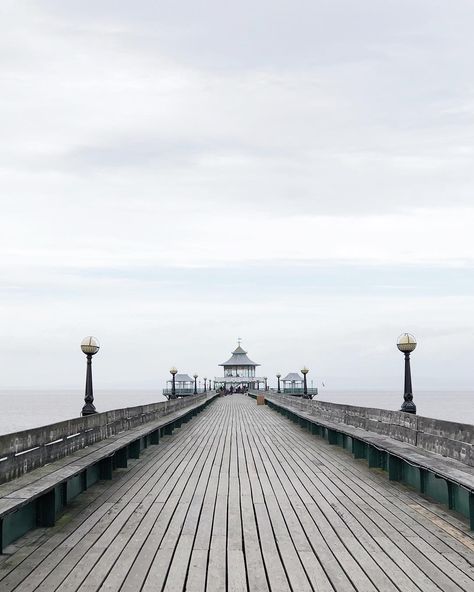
450	439
24	451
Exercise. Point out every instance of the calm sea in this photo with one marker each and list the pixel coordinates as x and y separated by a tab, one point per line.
23	409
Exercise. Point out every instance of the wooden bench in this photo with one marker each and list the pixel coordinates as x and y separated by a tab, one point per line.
37	497
447	480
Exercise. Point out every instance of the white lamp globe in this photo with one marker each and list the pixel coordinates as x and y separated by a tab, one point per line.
90	345
406	342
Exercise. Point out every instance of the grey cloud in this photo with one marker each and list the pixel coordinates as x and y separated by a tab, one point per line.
360	107
268	32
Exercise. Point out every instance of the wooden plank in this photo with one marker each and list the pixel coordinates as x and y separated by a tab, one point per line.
196	581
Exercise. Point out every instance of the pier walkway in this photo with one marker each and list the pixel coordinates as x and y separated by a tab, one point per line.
241	498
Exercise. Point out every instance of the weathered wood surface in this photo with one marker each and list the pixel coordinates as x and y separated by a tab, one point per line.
243	499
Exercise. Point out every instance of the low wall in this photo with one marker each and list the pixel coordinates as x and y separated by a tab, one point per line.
450	439
24	451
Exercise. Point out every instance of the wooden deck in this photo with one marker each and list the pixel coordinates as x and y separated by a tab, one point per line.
243	499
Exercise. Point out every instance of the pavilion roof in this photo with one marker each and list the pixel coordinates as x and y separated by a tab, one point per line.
292	376
183	378
239	358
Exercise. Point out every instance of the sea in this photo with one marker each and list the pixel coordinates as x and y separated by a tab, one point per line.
26	409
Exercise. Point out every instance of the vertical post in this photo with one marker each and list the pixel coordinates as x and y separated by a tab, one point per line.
173	382
279	389
408	387
205	381
305	371
408	406
195	384
89	407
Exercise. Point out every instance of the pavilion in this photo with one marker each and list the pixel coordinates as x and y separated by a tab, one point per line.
184	386
239	371
292	384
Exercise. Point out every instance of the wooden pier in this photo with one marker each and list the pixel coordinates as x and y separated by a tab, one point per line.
241	498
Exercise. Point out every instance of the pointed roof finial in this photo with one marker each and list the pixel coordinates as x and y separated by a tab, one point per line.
239	340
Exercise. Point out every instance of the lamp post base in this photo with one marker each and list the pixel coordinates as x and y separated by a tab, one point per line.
88	409
408	406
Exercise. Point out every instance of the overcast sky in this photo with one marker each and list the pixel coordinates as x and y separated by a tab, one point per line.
175	175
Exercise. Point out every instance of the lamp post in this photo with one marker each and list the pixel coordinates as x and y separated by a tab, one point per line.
90	346
279	376
406	344
173	371
195	376
304	372
205	380
265	379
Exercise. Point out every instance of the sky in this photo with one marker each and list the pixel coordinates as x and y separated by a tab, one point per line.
176	175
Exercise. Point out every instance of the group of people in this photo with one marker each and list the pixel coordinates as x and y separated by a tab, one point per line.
230	391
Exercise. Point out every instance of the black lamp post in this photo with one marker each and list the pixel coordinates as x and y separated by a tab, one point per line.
90	346
406	344
265	379
205	380
279	389
173	371
304	372
195	376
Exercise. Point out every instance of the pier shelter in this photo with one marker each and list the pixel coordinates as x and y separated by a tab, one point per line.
184	386
292	384
239	372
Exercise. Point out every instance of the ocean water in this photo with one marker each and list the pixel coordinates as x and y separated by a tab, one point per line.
24	409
